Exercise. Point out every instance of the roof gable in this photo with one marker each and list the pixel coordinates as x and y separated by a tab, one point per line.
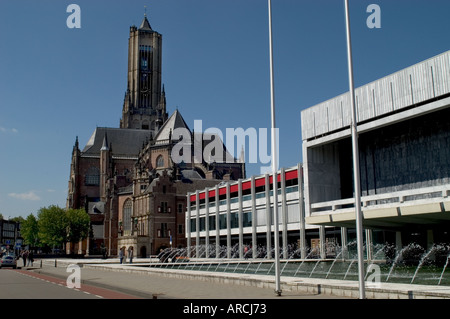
122	142
175	121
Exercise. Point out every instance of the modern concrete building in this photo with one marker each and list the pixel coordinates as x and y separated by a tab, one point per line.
404	143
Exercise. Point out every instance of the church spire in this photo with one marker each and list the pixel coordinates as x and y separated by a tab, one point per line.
105	144
145	25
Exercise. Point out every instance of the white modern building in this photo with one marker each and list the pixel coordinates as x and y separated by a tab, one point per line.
242	213
404	144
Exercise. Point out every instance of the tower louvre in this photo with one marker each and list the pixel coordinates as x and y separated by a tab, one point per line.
143	107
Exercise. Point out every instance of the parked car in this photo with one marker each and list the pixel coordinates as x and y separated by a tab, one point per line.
8	261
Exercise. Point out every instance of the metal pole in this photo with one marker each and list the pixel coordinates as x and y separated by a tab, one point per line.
274	164
356	175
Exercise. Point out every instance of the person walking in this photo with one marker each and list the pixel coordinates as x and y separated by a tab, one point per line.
30	258
121	252
130	253
24	257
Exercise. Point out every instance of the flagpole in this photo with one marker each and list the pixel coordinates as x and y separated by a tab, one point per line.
274	164
356	173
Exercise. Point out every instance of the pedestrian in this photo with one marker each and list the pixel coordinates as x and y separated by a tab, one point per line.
121	254
103	249
30	258
130	253
24	257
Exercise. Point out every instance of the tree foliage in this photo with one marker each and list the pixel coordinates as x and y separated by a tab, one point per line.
55	226
52	223
77	225
29	229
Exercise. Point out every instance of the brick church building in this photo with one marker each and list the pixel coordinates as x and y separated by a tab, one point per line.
133	180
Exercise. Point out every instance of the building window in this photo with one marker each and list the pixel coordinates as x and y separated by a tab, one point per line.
163	231
127	209
234	220
212	222
163	208
144	63
202	223
223	221
247	219
180	229
180	208
160	161
92	177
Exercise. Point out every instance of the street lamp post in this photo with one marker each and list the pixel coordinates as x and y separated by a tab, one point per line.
274	163
355	150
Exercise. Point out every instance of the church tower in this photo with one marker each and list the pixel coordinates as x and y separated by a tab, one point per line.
144	104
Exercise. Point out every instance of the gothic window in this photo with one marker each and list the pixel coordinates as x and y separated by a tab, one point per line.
145	55
163	232
127	209
163	208
160	161
144	64
92	177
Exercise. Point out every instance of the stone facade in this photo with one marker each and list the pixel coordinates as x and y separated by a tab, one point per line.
144	105
125	177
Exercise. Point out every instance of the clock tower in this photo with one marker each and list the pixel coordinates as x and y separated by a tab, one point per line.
144	104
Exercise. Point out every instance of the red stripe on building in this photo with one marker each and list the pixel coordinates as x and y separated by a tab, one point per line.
291	175
234	188
260	182
246	185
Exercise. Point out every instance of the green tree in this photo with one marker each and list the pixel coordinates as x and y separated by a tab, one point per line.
52	223
29	229
78	223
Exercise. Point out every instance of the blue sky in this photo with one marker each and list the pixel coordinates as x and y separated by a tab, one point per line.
57	83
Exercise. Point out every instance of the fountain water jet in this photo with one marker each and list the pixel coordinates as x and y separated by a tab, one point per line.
443	270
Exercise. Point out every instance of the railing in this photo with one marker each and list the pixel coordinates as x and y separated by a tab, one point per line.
401	198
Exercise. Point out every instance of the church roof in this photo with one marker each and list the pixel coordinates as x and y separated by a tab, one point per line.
175	121
145	25
123	142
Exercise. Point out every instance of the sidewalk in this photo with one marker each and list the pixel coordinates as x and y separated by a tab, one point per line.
171	283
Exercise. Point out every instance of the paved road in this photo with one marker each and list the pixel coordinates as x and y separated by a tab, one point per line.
17	284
